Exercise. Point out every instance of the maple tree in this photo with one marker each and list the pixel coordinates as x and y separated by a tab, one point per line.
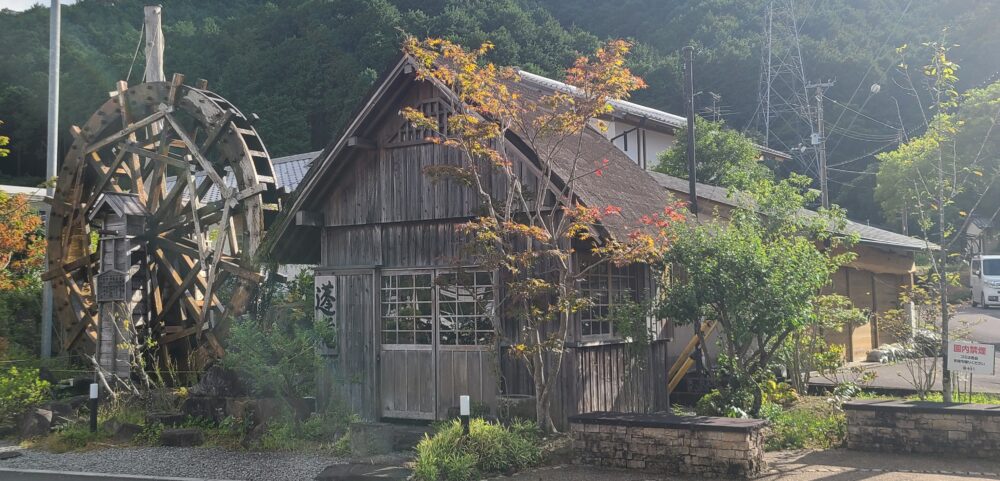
22	247
533	231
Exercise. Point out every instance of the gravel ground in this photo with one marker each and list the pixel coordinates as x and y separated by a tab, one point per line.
214	463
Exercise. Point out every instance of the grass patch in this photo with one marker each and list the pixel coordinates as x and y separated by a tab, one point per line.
489	449
810	423
937	396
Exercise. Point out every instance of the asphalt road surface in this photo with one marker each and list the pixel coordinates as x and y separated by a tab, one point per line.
983	325
39	475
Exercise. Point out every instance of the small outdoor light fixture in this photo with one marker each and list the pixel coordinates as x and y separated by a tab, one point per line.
464	411
93	407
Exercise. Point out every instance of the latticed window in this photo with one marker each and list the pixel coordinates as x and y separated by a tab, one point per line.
466	306
605	285
453	308
434	109
407	309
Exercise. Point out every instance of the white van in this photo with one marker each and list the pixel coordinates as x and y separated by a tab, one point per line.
985	280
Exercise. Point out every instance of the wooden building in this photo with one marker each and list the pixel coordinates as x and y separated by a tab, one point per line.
411	307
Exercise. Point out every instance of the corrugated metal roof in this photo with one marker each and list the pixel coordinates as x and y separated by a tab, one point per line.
289	171
867	233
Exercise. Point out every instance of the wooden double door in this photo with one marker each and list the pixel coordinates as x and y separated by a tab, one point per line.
437	341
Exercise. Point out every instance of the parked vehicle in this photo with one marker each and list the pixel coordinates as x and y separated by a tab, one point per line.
985	280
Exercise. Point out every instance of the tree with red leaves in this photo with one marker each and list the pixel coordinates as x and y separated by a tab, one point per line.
533	231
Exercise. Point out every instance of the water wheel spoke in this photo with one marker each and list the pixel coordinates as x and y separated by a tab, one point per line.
195	164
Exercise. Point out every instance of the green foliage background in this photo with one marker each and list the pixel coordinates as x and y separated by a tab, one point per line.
303	65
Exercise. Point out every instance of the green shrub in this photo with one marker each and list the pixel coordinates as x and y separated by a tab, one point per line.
19	390
489	449
814	424
73	436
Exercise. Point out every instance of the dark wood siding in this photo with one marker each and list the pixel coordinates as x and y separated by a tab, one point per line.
351	376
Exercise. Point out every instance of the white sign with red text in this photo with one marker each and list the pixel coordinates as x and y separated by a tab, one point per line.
971	357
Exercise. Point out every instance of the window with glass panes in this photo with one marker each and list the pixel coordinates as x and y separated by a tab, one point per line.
465	308
605	284
407	308
463	303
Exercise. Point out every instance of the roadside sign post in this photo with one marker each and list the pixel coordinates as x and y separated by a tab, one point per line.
971	357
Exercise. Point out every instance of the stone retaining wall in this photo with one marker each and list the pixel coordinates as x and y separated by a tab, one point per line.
669	444
971	430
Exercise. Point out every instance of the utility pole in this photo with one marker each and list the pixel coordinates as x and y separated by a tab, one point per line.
51	161
819	141
688	53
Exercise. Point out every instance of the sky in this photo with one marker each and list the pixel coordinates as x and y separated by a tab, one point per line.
19	5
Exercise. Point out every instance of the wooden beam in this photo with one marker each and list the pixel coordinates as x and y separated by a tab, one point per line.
166	159
306	218
225	262
361	143
126	132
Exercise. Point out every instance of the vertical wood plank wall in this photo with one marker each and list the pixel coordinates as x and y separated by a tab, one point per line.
352	375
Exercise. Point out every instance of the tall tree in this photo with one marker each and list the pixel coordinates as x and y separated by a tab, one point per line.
947	176
758	275
726	157
532	231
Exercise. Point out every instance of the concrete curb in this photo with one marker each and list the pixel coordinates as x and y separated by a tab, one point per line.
48	474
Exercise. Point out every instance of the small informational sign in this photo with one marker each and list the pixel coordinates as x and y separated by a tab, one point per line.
971	357
326	308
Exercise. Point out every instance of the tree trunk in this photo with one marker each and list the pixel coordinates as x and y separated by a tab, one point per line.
945	373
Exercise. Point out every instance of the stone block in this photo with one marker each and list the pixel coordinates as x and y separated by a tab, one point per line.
34	423
183	437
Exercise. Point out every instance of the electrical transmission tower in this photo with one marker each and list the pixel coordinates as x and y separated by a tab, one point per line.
784	116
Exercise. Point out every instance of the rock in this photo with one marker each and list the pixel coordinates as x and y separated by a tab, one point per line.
239	408
182	438
77	402
166	419
7	430
35	423
219	382
62	412
369	439
363	472
9	455
205	407
877	356
121	432
266	410
254	436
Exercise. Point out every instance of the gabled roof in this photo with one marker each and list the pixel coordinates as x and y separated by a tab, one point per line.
866	233
120	202
624	107
622	183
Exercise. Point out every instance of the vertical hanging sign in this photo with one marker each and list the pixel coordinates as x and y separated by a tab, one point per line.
326	311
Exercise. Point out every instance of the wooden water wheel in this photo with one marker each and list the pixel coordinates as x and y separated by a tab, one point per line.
208	187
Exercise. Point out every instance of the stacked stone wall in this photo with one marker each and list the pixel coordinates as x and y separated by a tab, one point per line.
968	430
711	447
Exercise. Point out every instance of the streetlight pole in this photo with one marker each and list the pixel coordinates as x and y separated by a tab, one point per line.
51	161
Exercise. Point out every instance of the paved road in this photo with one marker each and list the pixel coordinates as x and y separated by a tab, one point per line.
831	465
40	475
982	325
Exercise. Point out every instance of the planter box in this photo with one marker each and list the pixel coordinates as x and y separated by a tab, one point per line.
968	430
669	444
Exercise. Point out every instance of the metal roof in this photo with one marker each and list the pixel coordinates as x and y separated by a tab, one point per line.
626	107
289	171
866	233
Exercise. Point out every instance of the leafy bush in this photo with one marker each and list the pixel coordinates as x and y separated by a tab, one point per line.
812	424
19	390
489	449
